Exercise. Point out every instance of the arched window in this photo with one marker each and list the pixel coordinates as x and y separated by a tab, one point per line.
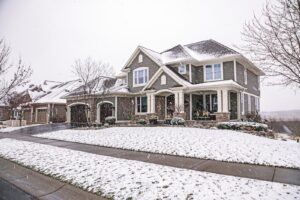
163	80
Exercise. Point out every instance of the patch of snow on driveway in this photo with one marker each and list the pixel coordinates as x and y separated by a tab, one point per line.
122	179
222	145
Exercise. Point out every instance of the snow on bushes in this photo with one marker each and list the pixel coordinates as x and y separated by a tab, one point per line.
251	126
110	120
177	121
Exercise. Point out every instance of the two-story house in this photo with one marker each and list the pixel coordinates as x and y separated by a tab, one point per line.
193	81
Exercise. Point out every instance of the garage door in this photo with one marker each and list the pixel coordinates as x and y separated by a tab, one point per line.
27	116
41	116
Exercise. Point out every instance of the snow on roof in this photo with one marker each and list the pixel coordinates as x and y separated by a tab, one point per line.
199	51
55	93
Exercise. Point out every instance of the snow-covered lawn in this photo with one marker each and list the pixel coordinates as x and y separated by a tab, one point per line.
127	179
224	145
10	129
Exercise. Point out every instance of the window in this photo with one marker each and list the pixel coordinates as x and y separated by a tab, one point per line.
141	103
140	58
163	80
245	76
182	69
211	102
140	76
213	72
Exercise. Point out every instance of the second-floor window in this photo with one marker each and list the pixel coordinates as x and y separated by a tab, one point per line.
213	72
140	76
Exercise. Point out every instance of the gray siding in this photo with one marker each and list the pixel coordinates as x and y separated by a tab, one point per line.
147	62
169	83
197	74
252	80
187	75
228	70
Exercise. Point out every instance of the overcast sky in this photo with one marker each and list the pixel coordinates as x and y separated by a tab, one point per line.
50	34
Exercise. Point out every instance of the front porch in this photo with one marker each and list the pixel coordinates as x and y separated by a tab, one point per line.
203	105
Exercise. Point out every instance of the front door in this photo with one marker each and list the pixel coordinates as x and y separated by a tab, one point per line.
233	105
106	110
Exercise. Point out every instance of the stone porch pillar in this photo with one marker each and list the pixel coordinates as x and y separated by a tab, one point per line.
222	114
179	102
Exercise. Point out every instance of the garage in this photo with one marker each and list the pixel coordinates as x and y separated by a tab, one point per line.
27	116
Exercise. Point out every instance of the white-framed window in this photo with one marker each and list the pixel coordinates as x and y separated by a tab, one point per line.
141	104
245	76
243	103
213	72
249	103
140	58
163	80
182	69
140	76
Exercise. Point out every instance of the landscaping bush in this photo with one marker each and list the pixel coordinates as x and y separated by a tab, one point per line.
141	121
249	126
177	121
110	120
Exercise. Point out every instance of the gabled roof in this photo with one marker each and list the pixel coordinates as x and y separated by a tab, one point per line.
168	71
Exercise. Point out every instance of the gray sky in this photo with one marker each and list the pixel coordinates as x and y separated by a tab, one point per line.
50	34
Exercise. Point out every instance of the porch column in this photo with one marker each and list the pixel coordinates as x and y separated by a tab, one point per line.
68	114
116	108
176	101
152	97
225	100
181	101
48	114
98	113
219	97
191	106
148	103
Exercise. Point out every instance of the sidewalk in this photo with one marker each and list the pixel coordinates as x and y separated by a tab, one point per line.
40	186
267	173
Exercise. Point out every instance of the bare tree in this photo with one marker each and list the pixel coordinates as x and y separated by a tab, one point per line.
95	77
11	76
273	41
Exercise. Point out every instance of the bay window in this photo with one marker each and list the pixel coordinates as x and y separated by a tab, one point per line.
213	72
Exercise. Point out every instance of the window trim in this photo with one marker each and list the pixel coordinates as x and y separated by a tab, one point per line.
163	80
133	76
182	65
136	106
213	70
140	58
